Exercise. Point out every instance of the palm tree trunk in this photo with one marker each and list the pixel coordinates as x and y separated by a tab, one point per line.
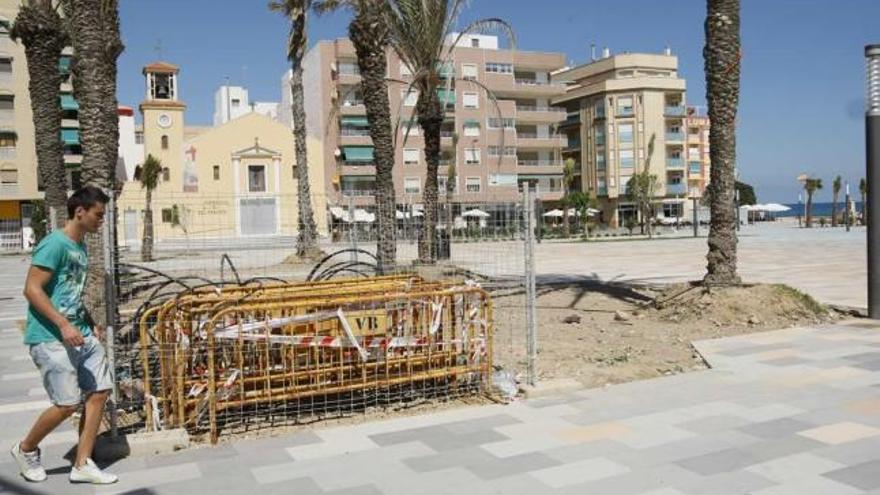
834	208
566	229
147	245
40	29
721	54
307	238
369	35
810	209
430	120
94	28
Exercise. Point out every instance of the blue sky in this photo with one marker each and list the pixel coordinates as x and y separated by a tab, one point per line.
801	104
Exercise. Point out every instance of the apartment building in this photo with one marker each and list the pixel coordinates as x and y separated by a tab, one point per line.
698	163
232	102
499	146
625	113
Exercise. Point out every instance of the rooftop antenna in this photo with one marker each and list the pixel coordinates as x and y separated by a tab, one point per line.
592	52
668	50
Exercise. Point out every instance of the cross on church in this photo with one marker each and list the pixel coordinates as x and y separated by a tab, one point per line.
158	48
191	152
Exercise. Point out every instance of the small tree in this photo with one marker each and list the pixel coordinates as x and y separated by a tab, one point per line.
811	185
641	189
567	179
835	193
582	202
149	179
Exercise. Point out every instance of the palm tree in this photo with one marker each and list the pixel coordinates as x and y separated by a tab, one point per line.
420	35
40	29
835	192
297	42
451	178
567	179
721	56
94	32
863	192
369	35
811	185
149	179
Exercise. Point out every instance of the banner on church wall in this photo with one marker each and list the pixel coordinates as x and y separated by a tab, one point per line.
190	171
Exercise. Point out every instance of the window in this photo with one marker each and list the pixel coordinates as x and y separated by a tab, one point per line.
6	65
501	180
626	159
625	133
472	129
475	42
411	156
7	102
469	72
496	151
139	137
167	215
164	142
7	140
470	100
472	156
499	68
216	172
256	178
443	184
472	184
409	99
674	129
236	102
625	105
496	123
9	176
166	174
673	210
405	70
293	172
412	185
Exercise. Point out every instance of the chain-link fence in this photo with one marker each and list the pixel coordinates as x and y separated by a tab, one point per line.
221	328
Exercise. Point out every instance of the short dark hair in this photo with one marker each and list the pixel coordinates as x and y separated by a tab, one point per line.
86	197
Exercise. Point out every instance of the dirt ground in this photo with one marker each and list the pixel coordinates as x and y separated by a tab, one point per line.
603	334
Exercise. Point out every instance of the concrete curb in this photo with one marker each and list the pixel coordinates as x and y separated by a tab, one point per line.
546	388
140	444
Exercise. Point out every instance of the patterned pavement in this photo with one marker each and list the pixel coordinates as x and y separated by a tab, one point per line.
793	411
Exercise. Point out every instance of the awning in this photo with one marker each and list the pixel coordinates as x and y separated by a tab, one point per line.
355	120
472	122
70	136
358	153
68	103
64	65
447	96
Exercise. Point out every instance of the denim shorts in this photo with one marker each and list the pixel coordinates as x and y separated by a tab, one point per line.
71	372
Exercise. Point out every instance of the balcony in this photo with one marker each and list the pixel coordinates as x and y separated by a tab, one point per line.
600	112
674	162
600	140
573	145
6	80
674	111
354	193
695	167
350	131
533	140
676	189
539	167
538	163
352	107
532	113
674	137
7	153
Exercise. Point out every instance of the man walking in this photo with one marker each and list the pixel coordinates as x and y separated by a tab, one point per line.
63	344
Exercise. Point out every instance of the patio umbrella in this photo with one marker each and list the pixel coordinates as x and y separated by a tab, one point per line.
775	207
475	213
554	213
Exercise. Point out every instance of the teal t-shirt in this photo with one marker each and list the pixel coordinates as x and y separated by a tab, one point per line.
68	262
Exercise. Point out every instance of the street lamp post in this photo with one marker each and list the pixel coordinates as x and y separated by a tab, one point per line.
846	218
696	217
872	145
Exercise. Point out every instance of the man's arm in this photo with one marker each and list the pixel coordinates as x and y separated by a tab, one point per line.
34	292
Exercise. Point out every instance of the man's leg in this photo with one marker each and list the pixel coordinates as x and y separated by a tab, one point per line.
92	414
46	423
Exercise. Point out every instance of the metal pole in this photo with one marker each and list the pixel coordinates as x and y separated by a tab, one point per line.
872	139
531	327
110	307
800	200
737	210
352	232
846	219
696	219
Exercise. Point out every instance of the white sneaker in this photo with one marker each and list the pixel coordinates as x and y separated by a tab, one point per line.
90	473
29	463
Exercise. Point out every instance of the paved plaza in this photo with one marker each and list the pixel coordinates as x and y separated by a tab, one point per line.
793	411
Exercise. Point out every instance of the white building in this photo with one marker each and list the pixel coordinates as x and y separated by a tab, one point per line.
231	102
285	114
131	153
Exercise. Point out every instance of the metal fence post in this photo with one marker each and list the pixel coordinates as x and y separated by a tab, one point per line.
110	305
531	330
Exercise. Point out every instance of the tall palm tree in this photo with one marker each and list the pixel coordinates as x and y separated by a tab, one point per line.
567	179
369	35
811	185
835	192
297	42
863	192
149	179
40	29
419	32
721	56
94	32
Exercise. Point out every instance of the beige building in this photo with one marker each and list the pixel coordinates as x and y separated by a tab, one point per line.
625	112
235	180
498	148
698	163
18	161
